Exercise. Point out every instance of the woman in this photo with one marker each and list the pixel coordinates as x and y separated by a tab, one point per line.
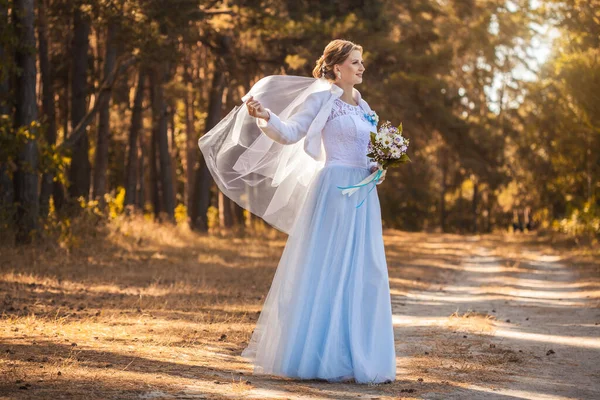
328	313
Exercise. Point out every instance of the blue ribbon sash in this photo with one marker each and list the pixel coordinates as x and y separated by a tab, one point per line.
375	177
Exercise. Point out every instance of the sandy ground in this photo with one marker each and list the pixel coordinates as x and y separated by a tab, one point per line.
142	312
546	323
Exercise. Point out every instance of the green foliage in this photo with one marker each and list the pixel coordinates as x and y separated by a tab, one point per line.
582	222
213	217
557	165
52	159
482	140
115	203
181	216
12	140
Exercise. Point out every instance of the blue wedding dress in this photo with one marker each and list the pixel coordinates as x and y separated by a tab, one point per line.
328	312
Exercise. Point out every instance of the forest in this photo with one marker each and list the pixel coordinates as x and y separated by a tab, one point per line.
126	274
102	104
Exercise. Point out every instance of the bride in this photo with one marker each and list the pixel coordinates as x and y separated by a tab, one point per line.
328	312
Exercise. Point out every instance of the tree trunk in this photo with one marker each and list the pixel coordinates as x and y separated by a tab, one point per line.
174	151
226	206
80	169
131	175
444	166
154	183
159	117
48	108
5	55
202	180
238	215
191	143
153	159
103	134
58	189
6	185
225	211
140	199
474	209
26	177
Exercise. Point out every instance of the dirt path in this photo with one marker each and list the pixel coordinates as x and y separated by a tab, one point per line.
542	344
489	325
145	312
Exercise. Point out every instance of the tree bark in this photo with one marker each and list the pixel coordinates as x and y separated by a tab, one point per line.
131	175
159	117
80	169
173	150
203	180
191	142
103	133
26	176
475	204
154	181
153	161
225	211
140	199
7	193
48	107
443	212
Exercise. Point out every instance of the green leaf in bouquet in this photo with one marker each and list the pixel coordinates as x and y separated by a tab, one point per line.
402	160
400	127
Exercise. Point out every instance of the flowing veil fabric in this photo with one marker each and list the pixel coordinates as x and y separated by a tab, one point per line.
267	178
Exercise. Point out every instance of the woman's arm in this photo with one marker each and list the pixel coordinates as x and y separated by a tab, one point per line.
294	128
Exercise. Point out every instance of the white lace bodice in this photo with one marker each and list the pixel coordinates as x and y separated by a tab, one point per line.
346	135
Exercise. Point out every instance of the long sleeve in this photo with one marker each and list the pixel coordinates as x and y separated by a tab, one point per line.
294	128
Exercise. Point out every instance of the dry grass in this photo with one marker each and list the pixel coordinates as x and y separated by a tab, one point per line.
471	322
136	305
138	309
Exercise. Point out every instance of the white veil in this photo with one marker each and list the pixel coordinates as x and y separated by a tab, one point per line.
267	178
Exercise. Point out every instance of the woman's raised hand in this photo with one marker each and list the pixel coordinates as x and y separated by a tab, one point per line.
256	109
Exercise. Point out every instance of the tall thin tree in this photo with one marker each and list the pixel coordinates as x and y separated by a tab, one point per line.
26	176
6	54
103	133
48	106
159	117
131	174
80	169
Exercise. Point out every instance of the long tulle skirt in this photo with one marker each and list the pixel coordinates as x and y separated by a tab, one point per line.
328	312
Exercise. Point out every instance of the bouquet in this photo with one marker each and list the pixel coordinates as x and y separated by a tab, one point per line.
387	147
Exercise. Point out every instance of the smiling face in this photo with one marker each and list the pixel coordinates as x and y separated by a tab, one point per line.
351	69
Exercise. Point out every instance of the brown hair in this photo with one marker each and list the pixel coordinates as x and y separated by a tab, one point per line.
335	52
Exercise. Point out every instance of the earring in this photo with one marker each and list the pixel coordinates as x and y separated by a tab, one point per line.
339	75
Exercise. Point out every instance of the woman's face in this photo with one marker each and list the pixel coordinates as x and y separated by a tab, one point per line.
351	69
